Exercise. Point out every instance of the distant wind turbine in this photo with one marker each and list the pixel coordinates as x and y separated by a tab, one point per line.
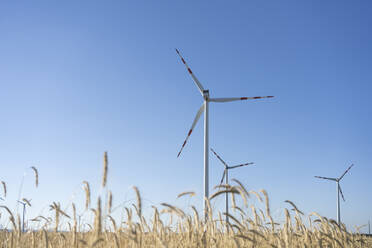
226	175
24	202
337	180
205	108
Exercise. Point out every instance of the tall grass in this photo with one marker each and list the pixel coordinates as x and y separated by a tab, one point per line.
249	226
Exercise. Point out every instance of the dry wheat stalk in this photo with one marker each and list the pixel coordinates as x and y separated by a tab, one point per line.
191	193
109	201
232	191
87	194
11	216
36	176
113	222
105	170
117	242
46	238
96	242
4	188
174	209
139	201
266	202
294	206
98	218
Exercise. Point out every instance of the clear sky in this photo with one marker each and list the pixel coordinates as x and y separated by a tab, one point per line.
82	77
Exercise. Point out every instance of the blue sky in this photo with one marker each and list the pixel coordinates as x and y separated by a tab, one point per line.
82	77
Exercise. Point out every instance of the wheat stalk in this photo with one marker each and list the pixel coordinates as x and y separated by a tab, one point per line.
11	216
4	188
232	191
87	194
36	176
96	242
46	238
294	206
109	201
105	170
266	202
98	218
191	193
139	201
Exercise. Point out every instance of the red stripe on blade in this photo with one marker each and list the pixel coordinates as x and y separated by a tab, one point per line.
189	132
189	70
243	98
183	61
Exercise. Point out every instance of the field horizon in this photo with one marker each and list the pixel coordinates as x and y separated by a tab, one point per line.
171	226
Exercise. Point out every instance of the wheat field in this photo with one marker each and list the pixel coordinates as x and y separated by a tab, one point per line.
170	226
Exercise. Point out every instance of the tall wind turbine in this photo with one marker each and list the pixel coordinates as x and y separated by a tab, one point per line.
337	180
204	108
226	175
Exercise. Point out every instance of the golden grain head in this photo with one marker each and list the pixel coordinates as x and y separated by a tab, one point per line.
139	200
294	206
110	201
36	175
98	218
266	201
105	170
4	188
87	194
190	193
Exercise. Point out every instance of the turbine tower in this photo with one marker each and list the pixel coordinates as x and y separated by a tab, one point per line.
24	202
226	175
337	180
204	108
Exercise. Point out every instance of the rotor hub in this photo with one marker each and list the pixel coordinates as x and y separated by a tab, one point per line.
206	95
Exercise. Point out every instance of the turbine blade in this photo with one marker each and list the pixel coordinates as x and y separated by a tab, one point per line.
240	165
224	163
198	84
231	99
341	193
197	117
327	178
223	176
346	171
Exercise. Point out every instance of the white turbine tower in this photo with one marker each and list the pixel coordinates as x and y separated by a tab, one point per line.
24	202
226	175
337	180
204	108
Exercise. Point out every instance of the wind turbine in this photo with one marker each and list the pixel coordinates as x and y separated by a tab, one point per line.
226	175
24	202
337	180
205	108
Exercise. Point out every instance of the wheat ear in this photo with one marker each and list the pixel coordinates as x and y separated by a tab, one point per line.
105	169
4	188
36	175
